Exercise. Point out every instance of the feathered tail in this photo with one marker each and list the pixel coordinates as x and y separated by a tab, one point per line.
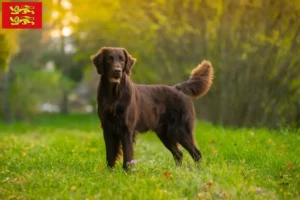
199	82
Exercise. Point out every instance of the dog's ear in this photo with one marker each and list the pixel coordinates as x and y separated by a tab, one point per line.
98	60
129	62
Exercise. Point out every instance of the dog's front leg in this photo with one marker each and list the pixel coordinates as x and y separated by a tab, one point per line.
112	145
127	145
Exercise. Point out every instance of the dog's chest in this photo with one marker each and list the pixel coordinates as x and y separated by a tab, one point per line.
112	117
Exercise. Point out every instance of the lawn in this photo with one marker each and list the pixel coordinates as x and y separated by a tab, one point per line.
57	157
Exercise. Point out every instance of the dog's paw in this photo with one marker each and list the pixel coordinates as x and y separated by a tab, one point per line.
129	167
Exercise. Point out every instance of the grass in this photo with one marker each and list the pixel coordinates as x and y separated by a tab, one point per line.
56	157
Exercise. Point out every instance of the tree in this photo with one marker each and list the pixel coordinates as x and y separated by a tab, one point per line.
8	48
172	37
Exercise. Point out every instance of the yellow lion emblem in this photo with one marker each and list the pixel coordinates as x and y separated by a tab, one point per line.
23	10
23	20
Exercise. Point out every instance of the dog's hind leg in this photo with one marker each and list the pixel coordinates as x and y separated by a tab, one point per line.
188	143
172	146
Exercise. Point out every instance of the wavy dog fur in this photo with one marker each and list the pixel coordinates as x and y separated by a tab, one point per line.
126	108
199	82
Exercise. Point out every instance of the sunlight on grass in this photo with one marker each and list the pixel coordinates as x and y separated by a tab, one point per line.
64	157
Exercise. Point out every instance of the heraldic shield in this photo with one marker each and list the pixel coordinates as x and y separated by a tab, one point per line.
22	15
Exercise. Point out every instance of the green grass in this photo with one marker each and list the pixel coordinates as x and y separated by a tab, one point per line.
57	157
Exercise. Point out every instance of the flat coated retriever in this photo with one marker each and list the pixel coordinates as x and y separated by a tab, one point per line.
126	108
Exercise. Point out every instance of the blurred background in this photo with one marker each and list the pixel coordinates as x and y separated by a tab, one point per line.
254	46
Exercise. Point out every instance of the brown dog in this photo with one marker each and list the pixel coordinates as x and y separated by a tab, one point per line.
125	108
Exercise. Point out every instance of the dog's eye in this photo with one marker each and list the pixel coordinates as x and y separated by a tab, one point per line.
121	59
110	59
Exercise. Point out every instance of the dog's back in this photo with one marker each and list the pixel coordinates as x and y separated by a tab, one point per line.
161	105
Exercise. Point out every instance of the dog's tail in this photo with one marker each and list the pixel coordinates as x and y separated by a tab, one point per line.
199	82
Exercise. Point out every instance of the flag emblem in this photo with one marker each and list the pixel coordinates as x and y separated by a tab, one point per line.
22	15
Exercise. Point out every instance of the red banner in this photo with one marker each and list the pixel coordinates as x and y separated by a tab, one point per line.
22	15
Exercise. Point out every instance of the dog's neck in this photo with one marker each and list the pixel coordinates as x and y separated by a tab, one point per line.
111	92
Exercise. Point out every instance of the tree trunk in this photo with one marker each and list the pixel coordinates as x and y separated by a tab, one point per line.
7	115
64	107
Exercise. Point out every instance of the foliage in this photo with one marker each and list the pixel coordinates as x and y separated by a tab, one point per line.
4	53
64	157
34	87
253	46
9	46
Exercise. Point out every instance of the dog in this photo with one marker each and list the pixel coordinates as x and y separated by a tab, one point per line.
126	108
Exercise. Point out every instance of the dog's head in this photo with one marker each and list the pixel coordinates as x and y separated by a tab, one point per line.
113	63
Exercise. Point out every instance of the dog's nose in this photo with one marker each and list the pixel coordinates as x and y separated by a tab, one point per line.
118	70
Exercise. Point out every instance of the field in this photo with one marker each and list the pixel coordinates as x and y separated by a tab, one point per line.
56	157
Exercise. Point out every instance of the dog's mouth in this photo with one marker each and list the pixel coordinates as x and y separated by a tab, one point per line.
115	79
